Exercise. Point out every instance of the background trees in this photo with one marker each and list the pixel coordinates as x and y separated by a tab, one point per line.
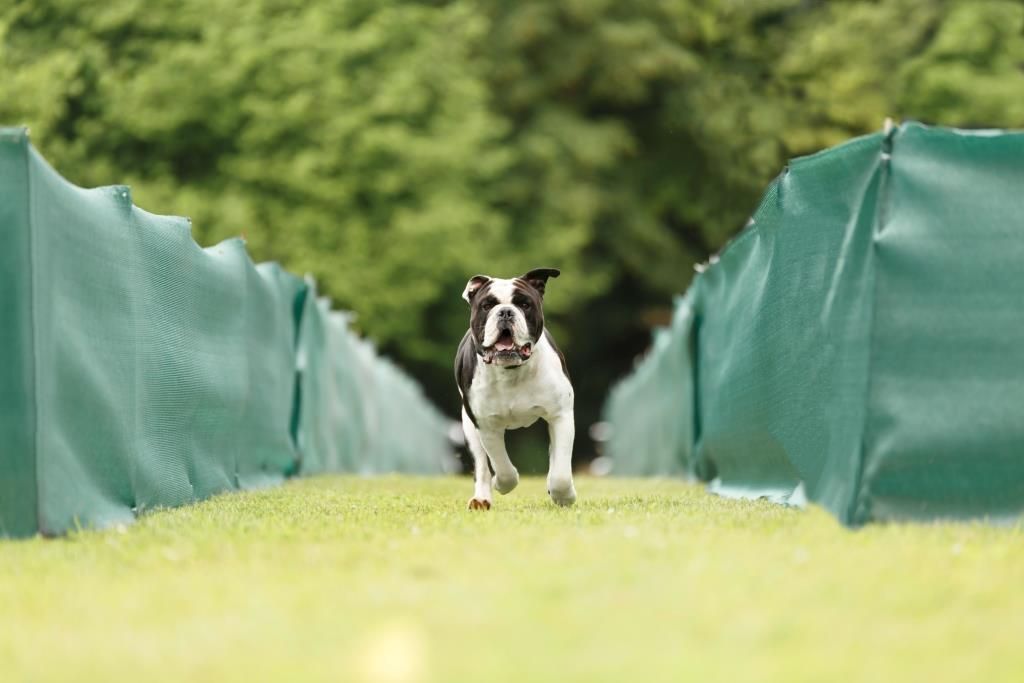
394	148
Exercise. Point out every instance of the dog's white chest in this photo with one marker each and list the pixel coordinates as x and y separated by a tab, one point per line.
513	398
513	406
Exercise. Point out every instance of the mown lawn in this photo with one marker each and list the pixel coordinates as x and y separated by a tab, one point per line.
391	579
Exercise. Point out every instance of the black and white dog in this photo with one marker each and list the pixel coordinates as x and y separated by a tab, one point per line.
510	373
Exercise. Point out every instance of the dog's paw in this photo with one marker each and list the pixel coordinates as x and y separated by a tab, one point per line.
479	504
562	492
505	484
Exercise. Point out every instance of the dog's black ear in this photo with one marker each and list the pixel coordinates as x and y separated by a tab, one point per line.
538	278
473	286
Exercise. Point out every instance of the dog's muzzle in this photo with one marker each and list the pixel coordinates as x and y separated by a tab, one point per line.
505	351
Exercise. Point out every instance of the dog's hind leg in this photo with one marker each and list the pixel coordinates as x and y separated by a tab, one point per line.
481	499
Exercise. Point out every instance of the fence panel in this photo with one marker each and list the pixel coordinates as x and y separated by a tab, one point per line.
144	371
860	341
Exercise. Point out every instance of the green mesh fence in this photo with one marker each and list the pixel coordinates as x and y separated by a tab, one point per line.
361	415
861	343
142	371
654	437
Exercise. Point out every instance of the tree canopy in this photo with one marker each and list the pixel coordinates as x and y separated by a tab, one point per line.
394	148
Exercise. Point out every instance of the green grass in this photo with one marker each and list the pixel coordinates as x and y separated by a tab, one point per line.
391	579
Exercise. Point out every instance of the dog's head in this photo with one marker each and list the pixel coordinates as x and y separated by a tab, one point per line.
507	316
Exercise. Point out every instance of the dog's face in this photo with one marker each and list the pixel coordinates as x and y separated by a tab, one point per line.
507	316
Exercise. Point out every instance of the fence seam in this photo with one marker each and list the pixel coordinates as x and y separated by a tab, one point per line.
854	513
33	326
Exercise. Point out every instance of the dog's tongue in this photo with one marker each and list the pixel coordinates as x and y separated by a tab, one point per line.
504	344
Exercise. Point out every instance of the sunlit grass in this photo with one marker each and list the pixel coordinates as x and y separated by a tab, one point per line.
391	579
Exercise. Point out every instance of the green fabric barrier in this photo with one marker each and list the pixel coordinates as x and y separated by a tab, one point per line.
331	430
364	415
860	343
143	371
656	437
18	499
399	402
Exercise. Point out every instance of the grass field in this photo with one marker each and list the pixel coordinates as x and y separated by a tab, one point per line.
391	579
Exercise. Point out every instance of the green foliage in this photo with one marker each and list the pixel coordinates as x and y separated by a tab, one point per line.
395	148
349	141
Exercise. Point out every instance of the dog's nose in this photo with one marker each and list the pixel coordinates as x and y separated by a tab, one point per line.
506	314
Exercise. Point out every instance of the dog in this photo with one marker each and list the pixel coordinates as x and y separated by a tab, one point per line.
510	373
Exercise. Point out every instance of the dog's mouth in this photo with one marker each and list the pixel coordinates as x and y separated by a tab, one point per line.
505	351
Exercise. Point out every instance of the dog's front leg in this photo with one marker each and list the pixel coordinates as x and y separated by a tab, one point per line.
562	432
481	499
506	476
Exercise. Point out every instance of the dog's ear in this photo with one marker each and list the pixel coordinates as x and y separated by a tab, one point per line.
473	286
538	278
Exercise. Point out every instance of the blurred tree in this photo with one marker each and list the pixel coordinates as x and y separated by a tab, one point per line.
350	140
393	148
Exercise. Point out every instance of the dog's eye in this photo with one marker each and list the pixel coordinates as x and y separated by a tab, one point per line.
525	305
